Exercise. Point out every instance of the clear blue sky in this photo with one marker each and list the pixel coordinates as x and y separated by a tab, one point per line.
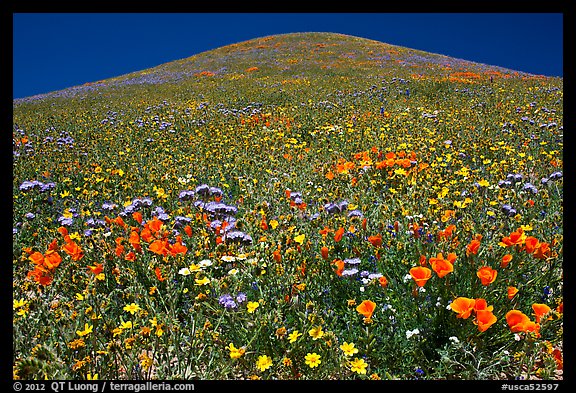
53	51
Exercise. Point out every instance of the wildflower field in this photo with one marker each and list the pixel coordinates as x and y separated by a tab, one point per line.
299	206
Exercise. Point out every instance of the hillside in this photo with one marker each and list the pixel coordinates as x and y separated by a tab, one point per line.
250	210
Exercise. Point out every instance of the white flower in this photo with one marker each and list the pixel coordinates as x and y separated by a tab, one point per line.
205	263
361	289
410	333
233	272
228	258
517	337
407	278
184	271
454	339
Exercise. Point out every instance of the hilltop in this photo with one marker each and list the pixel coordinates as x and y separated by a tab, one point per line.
280	61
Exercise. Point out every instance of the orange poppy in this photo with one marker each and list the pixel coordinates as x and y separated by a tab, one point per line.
63	231
484	319
40	276
441	266
541	310
37	258
542	251
338	235
72	249
366	308
119	250
376	240
473	247
146	235
422	260
505	260
134	240
96	269
53	246
512	291
130	256
420	275
277	256
159	247
487	275
264	224
177	248
339	266
481	305
159	274
383	282
516	320
52	259
188	230
120	222
515	238
324	252
463	306
558	359
530	243
519	322
138	217
154	225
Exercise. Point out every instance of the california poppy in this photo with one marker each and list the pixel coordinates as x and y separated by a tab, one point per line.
339	266
383	282
177	248
473	247
484	319
541	310
512	291
463	306
96	269
482	305
154	225
441	266
72	249
338	235
159	247
52	259
505	260
188	230
324	252
530	243
146	235
375	240
138	217
542	251
519	322
134	240
516	238
159	274
487	275
420	275
277	256
366	308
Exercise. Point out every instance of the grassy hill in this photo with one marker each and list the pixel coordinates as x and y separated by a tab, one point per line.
250	210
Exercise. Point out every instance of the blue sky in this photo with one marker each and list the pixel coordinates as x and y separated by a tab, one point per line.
53	51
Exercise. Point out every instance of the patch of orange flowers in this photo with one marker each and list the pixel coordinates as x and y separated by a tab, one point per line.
464	307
